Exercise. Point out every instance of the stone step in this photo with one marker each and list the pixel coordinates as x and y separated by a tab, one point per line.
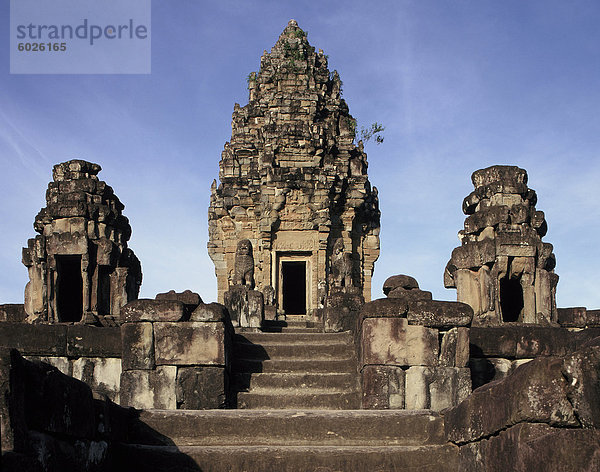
347	365
304	380
306	398
278	350
291	337
438	458
288	427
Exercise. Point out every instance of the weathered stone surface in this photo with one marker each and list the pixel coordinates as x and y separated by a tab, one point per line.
502	269
153	310
202	388
392	341
341	312
293	185
384	308
210	312
190	299
439	314
12	312
102	375
582	371
150	388
412	295
454	348
245	306
34	340
53	402
92	341
190	343
137	346
485	370
527	447
82	244
436	388
399	281
572	317
526	341
56	454
382	387
535	392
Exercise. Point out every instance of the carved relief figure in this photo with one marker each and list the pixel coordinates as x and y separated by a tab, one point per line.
244	264
341	265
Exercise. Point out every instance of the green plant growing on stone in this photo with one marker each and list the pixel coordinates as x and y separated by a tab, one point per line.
373	131
250	78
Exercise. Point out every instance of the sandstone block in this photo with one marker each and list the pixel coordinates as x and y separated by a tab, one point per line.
92	341
341	312
201	388
102	375
137	346
410	295
582	371
146	389
439	314
536	392
403	281
53	402
382	387
12	312
454	348
34	340
485	370
153	310
474	254
384	308
190	343
392	341
532	446
436	388
572	317
210	312
521	341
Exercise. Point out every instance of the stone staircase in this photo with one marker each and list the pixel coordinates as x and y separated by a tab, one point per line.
287	440
298	398
298	367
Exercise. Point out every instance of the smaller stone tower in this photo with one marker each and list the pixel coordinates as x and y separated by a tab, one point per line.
503	270
80	268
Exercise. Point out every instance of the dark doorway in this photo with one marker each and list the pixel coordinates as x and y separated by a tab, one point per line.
103	290
69	288
511	299
294	287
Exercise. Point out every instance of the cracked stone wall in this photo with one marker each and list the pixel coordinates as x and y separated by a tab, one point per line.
503	269
80	268
292	181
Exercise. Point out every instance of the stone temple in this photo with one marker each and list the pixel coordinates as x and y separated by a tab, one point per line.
295	368
294	184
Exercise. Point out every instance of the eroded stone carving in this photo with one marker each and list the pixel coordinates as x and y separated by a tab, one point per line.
80	267
341	265
503	269
244	264
292	180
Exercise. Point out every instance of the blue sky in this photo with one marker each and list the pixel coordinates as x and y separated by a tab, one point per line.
459	85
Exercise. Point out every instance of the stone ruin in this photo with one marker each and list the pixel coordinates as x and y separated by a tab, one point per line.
94	379
295	185
503	270
80	268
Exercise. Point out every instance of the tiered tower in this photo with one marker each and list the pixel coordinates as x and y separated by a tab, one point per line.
80	267
293	182
503	269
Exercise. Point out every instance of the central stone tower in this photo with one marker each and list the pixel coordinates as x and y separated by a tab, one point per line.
295	185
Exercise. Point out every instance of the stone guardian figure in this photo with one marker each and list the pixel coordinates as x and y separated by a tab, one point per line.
244	264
